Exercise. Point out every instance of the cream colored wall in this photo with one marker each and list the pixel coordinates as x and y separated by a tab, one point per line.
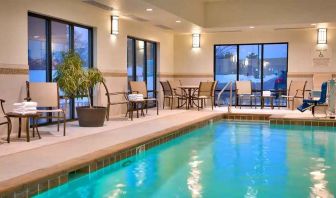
199	62
109	53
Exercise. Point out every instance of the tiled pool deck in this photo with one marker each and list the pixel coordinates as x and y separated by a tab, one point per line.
29	168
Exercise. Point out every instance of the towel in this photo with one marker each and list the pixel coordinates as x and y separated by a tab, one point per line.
25	108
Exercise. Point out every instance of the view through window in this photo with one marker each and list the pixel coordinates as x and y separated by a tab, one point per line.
141	63
265	65
48	39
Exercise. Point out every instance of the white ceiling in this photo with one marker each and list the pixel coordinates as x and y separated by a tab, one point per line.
227	15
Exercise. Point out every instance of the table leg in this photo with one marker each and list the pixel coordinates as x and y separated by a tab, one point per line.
20	124
27	129
272	105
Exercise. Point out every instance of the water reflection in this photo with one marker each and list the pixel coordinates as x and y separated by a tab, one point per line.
194	184
318	177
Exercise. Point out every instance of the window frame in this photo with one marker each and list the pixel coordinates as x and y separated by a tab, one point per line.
238	61
48	32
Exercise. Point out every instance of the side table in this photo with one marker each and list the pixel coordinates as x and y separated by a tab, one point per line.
34	118
133	105
271	99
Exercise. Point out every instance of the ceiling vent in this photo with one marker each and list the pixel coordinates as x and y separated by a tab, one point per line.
137	18
163	27
98	5
293	28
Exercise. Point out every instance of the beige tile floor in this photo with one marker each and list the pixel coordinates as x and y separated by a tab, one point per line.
20	157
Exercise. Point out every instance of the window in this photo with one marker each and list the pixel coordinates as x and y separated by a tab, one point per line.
141	63
48	39
265	65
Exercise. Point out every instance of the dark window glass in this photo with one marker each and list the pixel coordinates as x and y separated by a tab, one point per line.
130	59
150	66
81	45
140	60
37	53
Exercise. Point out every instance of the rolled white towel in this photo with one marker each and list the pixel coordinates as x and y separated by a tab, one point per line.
30	104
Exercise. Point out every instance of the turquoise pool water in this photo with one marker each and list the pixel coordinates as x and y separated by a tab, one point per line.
225	159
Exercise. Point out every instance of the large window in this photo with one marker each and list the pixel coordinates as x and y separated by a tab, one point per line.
141	63
265	65
48	39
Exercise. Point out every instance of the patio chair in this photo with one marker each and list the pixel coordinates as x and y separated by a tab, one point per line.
205	91
5	120
296	90
175	87
46	94
312	103
170	94
110	103
244	90
139	87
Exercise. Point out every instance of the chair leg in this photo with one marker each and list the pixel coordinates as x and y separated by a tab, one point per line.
172	104
108	112
58	121
9	129
33	124
20	126
163	104
239	103
212	104
198	105
64	123
157	107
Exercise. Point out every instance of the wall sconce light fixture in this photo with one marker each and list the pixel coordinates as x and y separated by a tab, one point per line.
196	40
115	25
322	36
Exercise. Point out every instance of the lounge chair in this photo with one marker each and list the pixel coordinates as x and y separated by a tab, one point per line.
108	94
46	94
139	87
312	103
244	90
205	91
5	120
170	94
296	91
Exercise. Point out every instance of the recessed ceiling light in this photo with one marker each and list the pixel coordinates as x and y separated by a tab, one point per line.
149	9
178	21
313	24
36	37
251	27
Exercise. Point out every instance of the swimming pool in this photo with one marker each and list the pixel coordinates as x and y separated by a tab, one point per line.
224	159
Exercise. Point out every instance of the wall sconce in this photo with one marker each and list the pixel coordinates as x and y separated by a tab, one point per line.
115	25
196	40
322	36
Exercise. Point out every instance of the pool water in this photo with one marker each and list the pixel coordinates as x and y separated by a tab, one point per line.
224	159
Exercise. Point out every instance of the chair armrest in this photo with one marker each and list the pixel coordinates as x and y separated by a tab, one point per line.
1	100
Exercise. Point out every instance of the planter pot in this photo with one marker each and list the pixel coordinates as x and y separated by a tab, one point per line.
91	117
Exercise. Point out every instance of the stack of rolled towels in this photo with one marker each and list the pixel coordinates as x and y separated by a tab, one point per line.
135	97
25	108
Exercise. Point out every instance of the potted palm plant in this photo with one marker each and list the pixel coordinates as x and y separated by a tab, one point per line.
75	81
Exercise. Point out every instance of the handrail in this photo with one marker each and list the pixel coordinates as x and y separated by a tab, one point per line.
222	91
